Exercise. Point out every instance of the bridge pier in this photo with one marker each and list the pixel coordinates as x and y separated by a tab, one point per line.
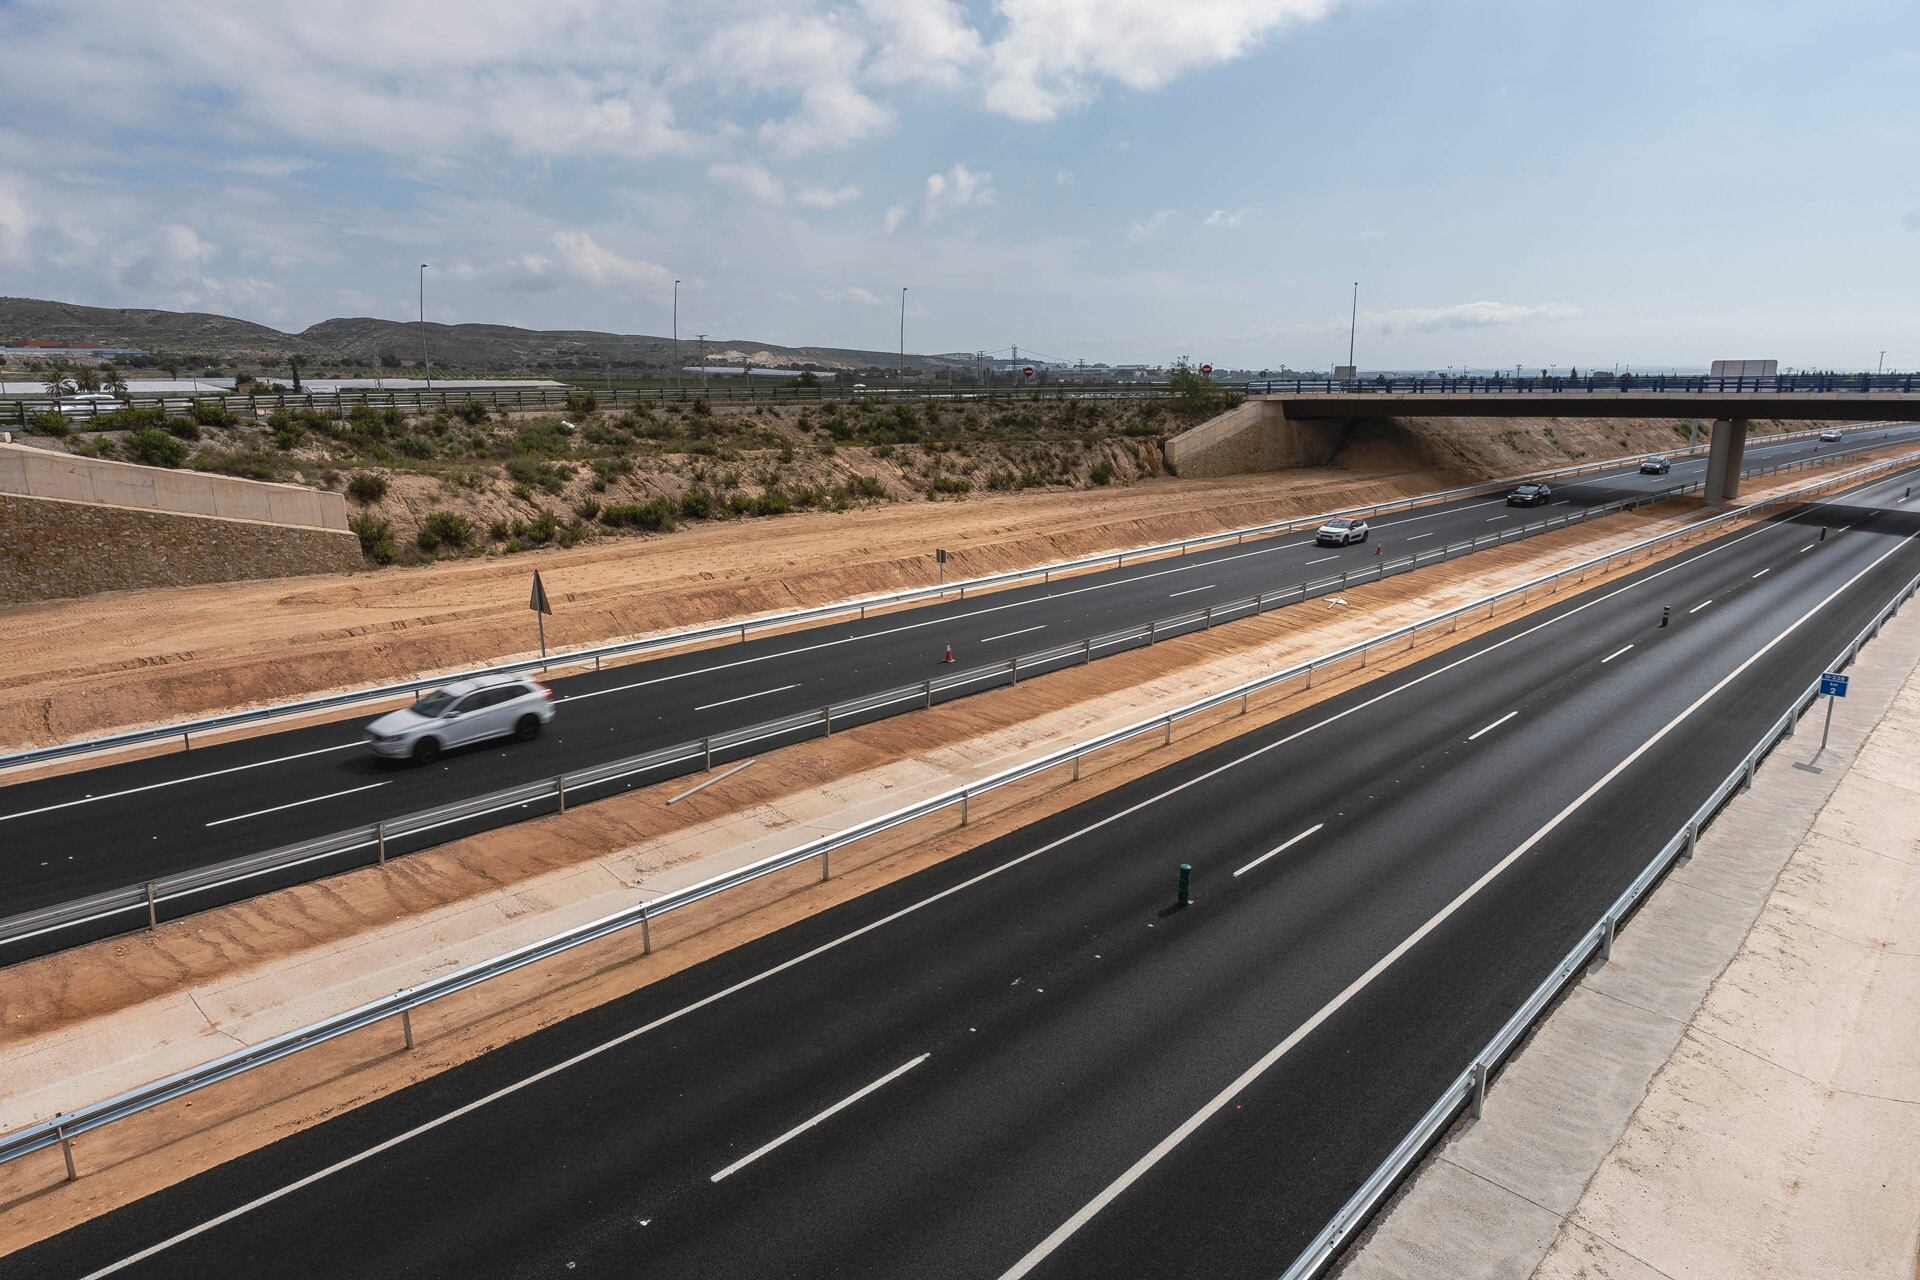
1725	455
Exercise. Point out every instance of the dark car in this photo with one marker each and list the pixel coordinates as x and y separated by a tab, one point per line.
1530	495
1658	465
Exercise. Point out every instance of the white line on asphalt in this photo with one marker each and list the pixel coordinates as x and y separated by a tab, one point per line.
1410	537
1764	572
1321	560
1246	1078
1808	547
607	1046
335	795
1282	849
1008	635
1616	653
799	1129
1843	528
1490	728
1189	591
1703	604
727	702
174	782
1501	516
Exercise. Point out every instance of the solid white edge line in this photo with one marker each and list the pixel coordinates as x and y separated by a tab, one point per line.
635	1033
335	795
1060	1234
174	782
1616	653
1491	727
1282	849
801	1128
745	696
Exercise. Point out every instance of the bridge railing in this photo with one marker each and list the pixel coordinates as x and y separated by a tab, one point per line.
1596	383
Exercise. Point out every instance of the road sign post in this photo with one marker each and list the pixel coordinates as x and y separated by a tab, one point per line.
541	608
1833	685
940	558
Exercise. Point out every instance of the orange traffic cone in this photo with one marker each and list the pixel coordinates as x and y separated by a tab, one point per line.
949	657
1378	549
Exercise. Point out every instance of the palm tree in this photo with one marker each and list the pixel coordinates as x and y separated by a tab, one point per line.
56	379
110	380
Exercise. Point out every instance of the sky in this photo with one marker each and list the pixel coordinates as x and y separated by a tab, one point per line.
1536	182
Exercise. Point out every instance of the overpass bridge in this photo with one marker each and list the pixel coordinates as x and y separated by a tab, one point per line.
1729	402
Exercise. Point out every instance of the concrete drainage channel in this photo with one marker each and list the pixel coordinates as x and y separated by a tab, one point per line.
52	928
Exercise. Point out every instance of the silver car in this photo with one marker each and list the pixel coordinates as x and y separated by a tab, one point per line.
457	714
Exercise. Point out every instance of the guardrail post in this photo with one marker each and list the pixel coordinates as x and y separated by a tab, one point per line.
406	1026
1606	940
827	712
926	687
1243	702
153	916
824	855
1478	1106
1209	618
1746	777
560	787
66	1149
706	747
646	933
186	740
1086	652
1168	740
1686	850
1076	768
1014	666
964	797
380	840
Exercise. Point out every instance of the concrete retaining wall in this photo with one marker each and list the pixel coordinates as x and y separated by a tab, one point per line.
52	549
1255	435
40	473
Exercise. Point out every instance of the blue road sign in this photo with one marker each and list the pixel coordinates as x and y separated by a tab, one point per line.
1833	684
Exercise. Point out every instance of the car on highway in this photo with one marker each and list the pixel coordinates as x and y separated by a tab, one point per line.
1340	531
86	404
464	712
1530	495
1658	465
1830	436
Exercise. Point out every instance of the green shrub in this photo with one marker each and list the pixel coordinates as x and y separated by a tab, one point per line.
1102	474
366	486
289	435
155	448
447	529
859	487
473	412
498	531
582	402
587	509
182	428
696	504
574	534
376	539
540	529
249	464
47	424
774	502
533	473
210	413
657	515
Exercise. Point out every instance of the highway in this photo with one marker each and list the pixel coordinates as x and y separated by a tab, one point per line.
1025	1060
103	828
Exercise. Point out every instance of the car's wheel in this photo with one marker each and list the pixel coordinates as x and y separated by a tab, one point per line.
1365	534
527	728
426	751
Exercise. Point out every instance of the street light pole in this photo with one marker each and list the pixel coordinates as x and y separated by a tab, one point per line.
425	362
903	333
676	333
1353	326
1883	363
703	362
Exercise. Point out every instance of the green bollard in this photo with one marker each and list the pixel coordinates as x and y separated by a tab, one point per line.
1186	884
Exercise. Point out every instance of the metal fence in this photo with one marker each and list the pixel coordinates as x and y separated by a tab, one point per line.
597	654
139	903
1668	384
1468	1091
64	1127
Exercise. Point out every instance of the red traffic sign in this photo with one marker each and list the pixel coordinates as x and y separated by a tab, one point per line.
1206	368
1028	371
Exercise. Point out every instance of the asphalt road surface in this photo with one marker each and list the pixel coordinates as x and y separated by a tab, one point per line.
1025	1060
101	829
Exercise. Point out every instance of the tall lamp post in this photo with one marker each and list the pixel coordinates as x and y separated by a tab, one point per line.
903	333
676	333
1353	328
425	362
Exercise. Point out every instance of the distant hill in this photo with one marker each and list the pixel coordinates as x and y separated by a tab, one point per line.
363	341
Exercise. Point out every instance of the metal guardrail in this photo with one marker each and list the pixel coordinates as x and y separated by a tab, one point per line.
64	1127
148	897
185	729
1468	1091
1604	383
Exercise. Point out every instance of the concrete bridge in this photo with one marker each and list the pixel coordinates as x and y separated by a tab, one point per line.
1284	422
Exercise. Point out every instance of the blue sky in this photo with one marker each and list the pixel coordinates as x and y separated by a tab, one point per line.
1533	183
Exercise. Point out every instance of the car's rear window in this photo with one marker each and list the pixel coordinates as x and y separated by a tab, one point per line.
1528	488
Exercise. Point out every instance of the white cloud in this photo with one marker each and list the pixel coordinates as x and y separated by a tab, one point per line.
1465	315
852	293
919	42
1225	218
1369	233
750	180
1065	178
894	217
1052	54
826	197
16	221
1149	226
575	258
957	188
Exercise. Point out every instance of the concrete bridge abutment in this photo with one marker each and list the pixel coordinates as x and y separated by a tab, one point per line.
1725	455
1255	435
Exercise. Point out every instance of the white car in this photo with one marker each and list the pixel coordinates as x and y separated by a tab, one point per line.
87	404
464	712
1830	436
1340	531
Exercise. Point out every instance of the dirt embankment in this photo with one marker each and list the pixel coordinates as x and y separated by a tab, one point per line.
1477	448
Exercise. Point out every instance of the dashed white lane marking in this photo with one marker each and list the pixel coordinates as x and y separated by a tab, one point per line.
1764	572
1038	1254
1410	537
1189	591
1008	635
335	795
174	782
1491	727
1697	608
1616	653
839	1106
1321	560
1808	547
727	702
1281	849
